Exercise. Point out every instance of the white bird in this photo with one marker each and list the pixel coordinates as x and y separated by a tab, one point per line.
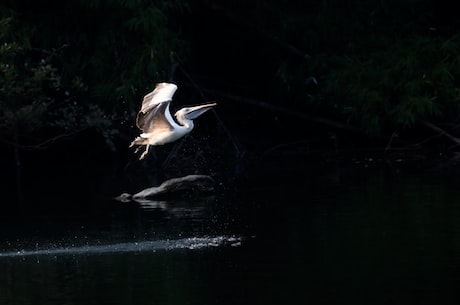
155	120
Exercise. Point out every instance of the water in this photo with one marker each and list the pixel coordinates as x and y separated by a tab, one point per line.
356	236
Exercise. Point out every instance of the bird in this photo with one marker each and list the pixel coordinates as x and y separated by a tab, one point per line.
156	122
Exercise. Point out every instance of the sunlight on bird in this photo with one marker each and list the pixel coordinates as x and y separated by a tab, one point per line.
155	120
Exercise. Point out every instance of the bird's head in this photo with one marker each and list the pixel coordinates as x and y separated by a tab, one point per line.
191	113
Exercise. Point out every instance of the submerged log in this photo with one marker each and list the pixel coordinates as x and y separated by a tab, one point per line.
191	185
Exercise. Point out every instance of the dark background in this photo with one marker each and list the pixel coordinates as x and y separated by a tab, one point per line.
300	85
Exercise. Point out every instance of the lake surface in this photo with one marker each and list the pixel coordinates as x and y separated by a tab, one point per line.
353	236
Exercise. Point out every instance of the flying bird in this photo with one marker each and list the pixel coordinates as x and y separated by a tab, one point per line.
155	120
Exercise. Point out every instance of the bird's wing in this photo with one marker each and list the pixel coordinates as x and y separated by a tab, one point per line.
155	118
163	92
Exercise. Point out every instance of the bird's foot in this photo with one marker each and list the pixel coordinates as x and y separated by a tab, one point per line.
144	154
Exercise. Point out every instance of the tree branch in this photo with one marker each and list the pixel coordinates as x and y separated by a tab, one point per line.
287	111
441	132
44	144
235	142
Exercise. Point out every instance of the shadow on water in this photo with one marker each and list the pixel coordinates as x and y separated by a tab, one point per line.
353	235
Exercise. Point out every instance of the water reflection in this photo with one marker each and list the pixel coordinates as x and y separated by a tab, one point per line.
380	240
368	237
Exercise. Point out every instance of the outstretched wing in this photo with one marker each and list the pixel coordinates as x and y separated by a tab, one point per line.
163	92
154	113
155	119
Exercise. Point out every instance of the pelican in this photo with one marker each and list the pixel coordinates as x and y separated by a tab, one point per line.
155	120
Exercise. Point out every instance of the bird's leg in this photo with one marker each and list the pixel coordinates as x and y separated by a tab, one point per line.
145	152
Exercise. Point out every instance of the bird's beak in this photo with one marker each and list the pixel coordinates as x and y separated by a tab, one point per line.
196	111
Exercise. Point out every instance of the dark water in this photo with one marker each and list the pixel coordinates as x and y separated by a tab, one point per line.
357	236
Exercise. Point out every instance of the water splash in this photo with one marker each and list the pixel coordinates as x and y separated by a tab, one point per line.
192	243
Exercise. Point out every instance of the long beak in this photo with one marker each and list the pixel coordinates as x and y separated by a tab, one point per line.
195	111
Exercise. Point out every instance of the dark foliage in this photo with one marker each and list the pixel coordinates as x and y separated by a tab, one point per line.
283	73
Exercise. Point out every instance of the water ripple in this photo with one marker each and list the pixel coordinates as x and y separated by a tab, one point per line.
191	243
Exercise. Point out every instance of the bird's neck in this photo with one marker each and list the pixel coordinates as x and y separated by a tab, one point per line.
188	124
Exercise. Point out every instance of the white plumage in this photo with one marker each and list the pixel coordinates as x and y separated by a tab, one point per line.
155	120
